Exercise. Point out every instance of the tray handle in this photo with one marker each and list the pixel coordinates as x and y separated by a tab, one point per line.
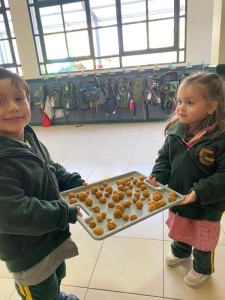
86	210
160	186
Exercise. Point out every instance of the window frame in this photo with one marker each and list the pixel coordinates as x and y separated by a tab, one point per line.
37	4
13	66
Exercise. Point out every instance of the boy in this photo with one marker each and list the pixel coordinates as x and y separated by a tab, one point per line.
34	221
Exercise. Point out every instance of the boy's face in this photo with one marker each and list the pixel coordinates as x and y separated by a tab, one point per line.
14	110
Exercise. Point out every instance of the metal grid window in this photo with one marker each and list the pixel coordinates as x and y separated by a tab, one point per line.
97	34
9	57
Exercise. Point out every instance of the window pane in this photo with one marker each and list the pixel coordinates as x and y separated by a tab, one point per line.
181	56
55	46
108	63
69	67
20	72
59	67
34	20
74	16
83	65
160	9
161	34
103	13
182	7
134	37
6	3
133	11
51	19
148	59
16	52
42	68
103	38
10	24
3	33
5	53
182	33
78	43
38	46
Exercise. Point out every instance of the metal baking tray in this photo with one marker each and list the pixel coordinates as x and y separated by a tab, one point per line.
121	224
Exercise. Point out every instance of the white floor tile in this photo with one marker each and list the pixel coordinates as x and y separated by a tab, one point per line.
130	264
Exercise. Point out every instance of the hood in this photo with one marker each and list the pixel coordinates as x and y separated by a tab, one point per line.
11	147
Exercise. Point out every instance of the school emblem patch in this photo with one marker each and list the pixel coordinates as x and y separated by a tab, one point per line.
206	156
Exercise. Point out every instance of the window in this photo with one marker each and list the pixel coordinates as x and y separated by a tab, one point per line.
98	34
9	57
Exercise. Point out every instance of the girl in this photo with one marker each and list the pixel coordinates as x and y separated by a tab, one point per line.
192	162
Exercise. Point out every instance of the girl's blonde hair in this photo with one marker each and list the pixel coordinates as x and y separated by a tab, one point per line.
16	80
212	88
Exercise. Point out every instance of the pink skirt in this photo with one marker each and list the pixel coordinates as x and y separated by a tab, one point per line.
201	234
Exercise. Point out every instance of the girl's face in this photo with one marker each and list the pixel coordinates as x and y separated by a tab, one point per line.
192	108
14	110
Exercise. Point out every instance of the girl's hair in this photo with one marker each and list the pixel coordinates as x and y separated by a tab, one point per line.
16	80
212	88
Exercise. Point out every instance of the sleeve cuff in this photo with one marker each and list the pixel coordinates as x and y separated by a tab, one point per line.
72	214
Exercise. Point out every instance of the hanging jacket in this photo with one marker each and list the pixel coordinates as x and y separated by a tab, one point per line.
33	218
200	168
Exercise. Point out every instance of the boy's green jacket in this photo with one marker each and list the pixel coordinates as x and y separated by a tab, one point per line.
200	168
33	218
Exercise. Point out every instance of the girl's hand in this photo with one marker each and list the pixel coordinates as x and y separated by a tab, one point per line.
79	212
188	198
152	180
85	183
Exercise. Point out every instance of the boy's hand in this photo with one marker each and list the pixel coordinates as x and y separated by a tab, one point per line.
79	212
188	198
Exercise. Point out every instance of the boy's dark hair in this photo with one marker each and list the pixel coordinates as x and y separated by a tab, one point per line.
16	80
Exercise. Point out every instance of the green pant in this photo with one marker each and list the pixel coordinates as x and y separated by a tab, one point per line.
48	289
203	260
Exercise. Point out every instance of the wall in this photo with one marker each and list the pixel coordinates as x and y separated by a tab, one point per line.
199	31
24	38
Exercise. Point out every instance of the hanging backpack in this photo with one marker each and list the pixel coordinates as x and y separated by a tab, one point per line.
151	93
168	91
40	96
69	97
138	91
56	96
123	96
110	90
99	99
86	94
183	76
91	95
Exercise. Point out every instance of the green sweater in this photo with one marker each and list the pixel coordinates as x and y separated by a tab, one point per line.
33	218
200	168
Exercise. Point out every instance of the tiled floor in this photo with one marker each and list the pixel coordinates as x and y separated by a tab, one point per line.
129	265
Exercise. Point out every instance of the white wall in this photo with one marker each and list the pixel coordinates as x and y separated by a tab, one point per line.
198	43
24	38
218	35
199	31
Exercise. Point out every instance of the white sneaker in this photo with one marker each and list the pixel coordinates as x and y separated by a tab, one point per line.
174	261
195	279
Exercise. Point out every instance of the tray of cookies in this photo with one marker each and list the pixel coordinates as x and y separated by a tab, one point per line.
119	202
